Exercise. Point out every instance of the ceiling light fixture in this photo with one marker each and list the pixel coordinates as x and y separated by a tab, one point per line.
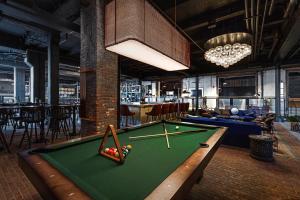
228	49
133	28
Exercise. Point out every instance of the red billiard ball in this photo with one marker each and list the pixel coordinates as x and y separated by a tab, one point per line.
111	152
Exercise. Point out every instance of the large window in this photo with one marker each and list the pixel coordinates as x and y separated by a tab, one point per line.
237	86
294	84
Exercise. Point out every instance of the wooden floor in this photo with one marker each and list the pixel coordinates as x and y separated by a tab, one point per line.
231	174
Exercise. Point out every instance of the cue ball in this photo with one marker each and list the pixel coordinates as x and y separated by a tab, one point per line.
177	127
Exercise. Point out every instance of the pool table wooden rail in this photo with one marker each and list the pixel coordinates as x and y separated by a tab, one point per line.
52	184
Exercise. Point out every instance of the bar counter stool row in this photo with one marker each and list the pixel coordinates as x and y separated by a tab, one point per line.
158	111
167	111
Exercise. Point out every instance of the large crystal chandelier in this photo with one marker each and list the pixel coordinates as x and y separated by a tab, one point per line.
228	49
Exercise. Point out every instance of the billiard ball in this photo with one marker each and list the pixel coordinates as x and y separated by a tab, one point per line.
111	152
177	127
117	154
129	147
106	150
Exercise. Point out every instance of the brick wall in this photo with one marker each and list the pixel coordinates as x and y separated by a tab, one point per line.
99	73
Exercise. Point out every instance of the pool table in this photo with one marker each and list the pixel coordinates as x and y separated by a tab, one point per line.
75	170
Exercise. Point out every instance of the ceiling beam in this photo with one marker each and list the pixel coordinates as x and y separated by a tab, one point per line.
291	36
68	9
11	8
11	41
221	14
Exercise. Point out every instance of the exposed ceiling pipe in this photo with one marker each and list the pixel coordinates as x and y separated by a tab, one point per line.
219	19
262	26
276	39
247	15
24	13
271	7
252	16
289	8
256	28
252	27
274	22
294	53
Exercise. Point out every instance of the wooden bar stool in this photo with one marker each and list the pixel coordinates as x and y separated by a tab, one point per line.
125	112
155	112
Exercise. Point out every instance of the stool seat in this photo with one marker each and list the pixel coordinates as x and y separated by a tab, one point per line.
155	113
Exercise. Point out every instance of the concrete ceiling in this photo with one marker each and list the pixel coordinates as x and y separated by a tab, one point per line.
26	24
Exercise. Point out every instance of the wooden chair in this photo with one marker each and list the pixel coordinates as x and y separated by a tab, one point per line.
3	122
155	113
32	117
268	127
125	112
59	116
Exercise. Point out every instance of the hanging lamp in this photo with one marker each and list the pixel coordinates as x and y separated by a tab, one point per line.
135	29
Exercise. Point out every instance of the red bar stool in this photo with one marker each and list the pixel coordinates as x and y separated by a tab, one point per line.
181	109
165	110
155	112
172	110
125	112
177	109
186	108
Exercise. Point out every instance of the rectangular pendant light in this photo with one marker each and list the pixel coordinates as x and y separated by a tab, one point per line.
133	28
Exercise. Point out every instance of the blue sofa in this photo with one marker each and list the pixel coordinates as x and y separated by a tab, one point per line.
238	131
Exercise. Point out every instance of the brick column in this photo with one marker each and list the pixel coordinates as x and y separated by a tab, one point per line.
98	73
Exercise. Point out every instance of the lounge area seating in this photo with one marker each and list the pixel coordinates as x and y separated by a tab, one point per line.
242	115
238	130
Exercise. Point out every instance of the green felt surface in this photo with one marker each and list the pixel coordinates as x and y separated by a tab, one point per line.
146	166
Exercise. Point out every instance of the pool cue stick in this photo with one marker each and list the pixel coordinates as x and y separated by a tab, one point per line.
159	135
166	134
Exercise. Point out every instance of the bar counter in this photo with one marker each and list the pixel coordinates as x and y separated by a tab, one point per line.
141	110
